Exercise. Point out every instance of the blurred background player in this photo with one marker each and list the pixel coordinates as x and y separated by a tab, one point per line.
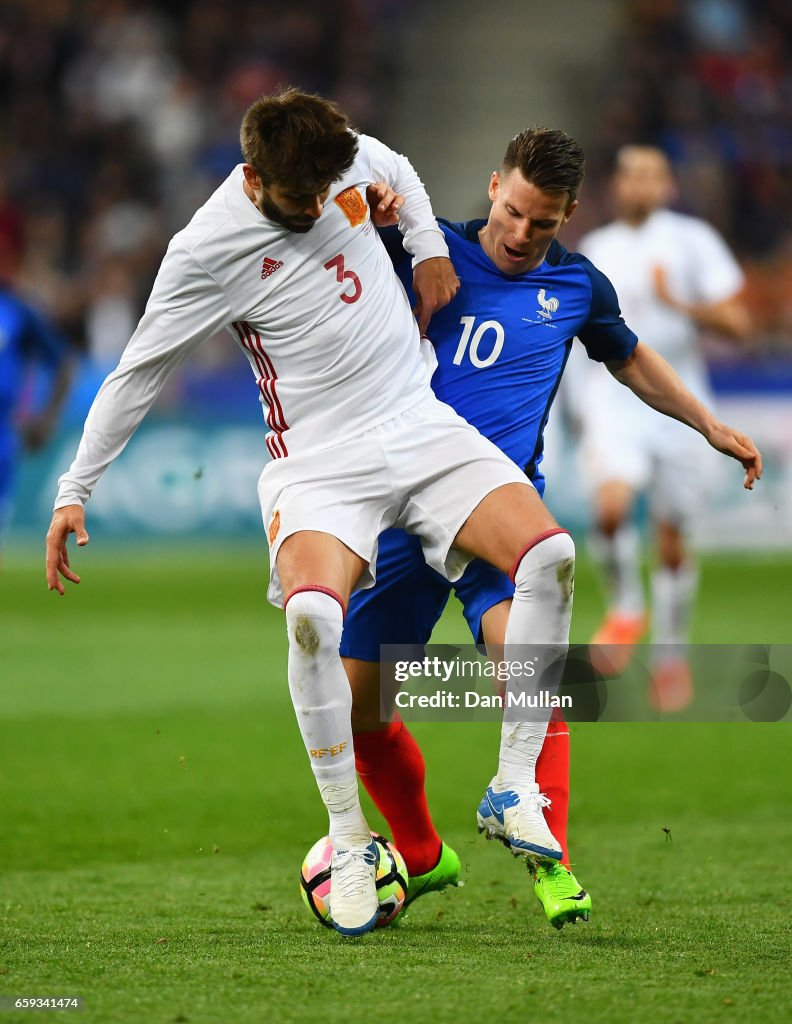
32	354
674	277
501	344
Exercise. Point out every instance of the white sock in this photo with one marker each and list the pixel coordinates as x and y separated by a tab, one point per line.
539	617
673	593
619	559
322	699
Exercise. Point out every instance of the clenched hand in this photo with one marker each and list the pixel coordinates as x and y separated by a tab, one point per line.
435	283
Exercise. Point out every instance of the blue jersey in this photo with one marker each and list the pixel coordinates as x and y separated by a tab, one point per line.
503	341
501	344
26	339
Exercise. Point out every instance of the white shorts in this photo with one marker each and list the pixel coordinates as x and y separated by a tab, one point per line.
651	453
425	470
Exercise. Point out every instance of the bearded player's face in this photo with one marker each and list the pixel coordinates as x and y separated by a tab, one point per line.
294	208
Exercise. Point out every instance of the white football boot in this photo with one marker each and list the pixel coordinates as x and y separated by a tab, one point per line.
354	905
516	819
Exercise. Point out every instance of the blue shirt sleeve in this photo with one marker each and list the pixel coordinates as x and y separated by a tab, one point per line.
392	239
605	334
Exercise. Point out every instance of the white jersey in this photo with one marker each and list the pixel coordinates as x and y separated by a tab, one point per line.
699	269
321	316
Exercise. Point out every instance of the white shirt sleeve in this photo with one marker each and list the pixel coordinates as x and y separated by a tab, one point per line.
186	307
719	275
422	237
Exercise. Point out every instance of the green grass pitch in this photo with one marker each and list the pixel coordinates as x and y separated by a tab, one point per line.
155	804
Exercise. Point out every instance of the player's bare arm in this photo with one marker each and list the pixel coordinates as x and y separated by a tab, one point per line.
435	283
384	203
653	380
65	520
728	317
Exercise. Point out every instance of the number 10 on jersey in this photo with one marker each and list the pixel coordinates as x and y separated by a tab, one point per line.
474	339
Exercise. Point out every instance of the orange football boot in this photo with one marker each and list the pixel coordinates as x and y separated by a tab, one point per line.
612	645
671	688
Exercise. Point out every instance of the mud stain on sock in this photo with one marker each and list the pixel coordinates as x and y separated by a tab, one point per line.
565	574
306	636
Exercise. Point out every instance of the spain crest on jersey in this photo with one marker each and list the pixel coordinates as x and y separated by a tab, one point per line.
354	206
274	527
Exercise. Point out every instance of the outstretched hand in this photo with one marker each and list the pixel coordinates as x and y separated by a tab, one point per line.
66	520
740	447
435	283
384	204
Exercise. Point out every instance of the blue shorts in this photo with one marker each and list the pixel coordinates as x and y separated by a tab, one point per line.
409	597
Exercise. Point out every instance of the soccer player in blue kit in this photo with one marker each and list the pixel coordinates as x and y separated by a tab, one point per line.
501	346
27	340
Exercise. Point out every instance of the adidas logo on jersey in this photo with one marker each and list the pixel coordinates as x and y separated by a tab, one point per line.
268	267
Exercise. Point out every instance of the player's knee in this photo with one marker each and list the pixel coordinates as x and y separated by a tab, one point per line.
314	622
613	504
671	546
609	521
546	570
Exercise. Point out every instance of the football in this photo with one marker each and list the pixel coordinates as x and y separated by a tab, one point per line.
392	880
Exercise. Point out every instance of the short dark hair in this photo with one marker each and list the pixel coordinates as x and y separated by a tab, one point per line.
296	139
548	158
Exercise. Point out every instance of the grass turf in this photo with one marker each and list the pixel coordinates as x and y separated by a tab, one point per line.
155	804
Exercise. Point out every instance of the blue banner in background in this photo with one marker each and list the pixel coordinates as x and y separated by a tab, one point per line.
174	478
191	469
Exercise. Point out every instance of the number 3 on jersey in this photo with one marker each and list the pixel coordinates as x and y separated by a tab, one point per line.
342	276
476	359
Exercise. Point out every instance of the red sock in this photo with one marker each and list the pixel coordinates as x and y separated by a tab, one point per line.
552	774
391	767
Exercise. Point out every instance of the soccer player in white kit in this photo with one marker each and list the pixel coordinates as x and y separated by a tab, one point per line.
674	275
285	256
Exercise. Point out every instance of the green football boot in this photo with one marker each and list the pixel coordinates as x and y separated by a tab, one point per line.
561	895
445	873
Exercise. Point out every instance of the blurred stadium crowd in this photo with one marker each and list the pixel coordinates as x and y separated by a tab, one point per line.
117	117
710	81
